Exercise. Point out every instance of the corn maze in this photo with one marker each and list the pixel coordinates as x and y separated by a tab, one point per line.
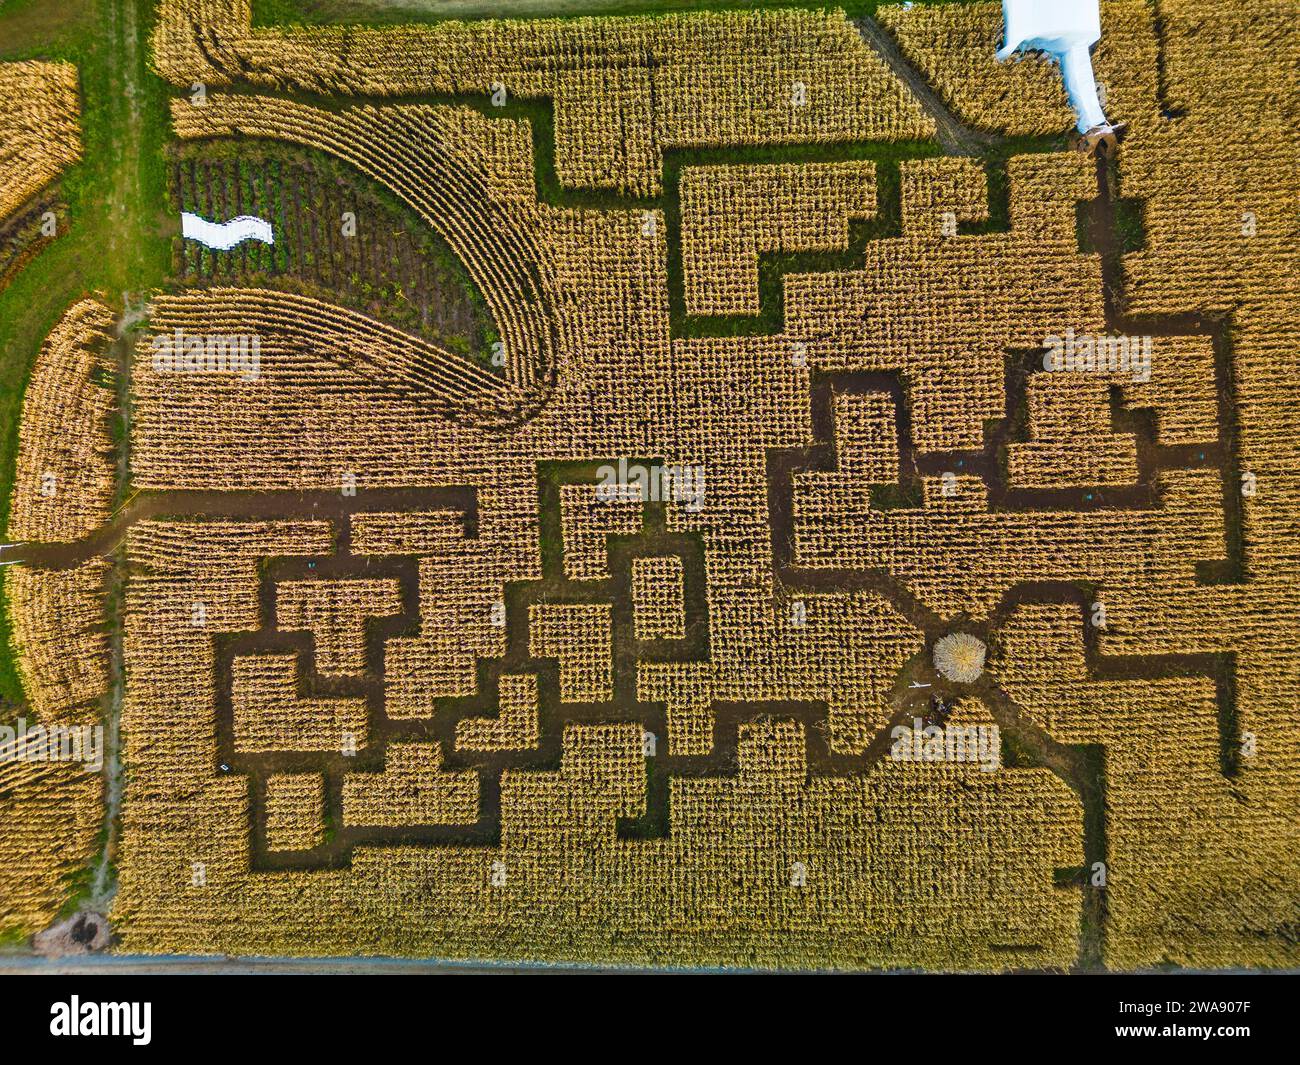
658	430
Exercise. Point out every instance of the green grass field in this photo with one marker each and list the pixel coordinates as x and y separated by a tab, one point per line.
116	240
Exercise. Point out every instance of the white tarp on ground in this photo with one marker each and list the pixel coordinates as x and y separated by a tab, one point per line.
1065	30
225	235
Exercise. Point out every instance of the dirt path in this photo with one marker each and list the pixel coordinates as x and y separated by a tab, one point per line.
956	137
213	503
123	45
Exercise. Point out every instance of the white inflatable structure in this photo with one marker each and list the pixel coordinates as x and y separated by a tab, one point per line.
1065	30
225	235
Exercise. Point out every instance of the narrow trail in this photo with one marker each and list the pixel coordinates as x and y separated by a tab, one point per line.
213	503
123	46
954	135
